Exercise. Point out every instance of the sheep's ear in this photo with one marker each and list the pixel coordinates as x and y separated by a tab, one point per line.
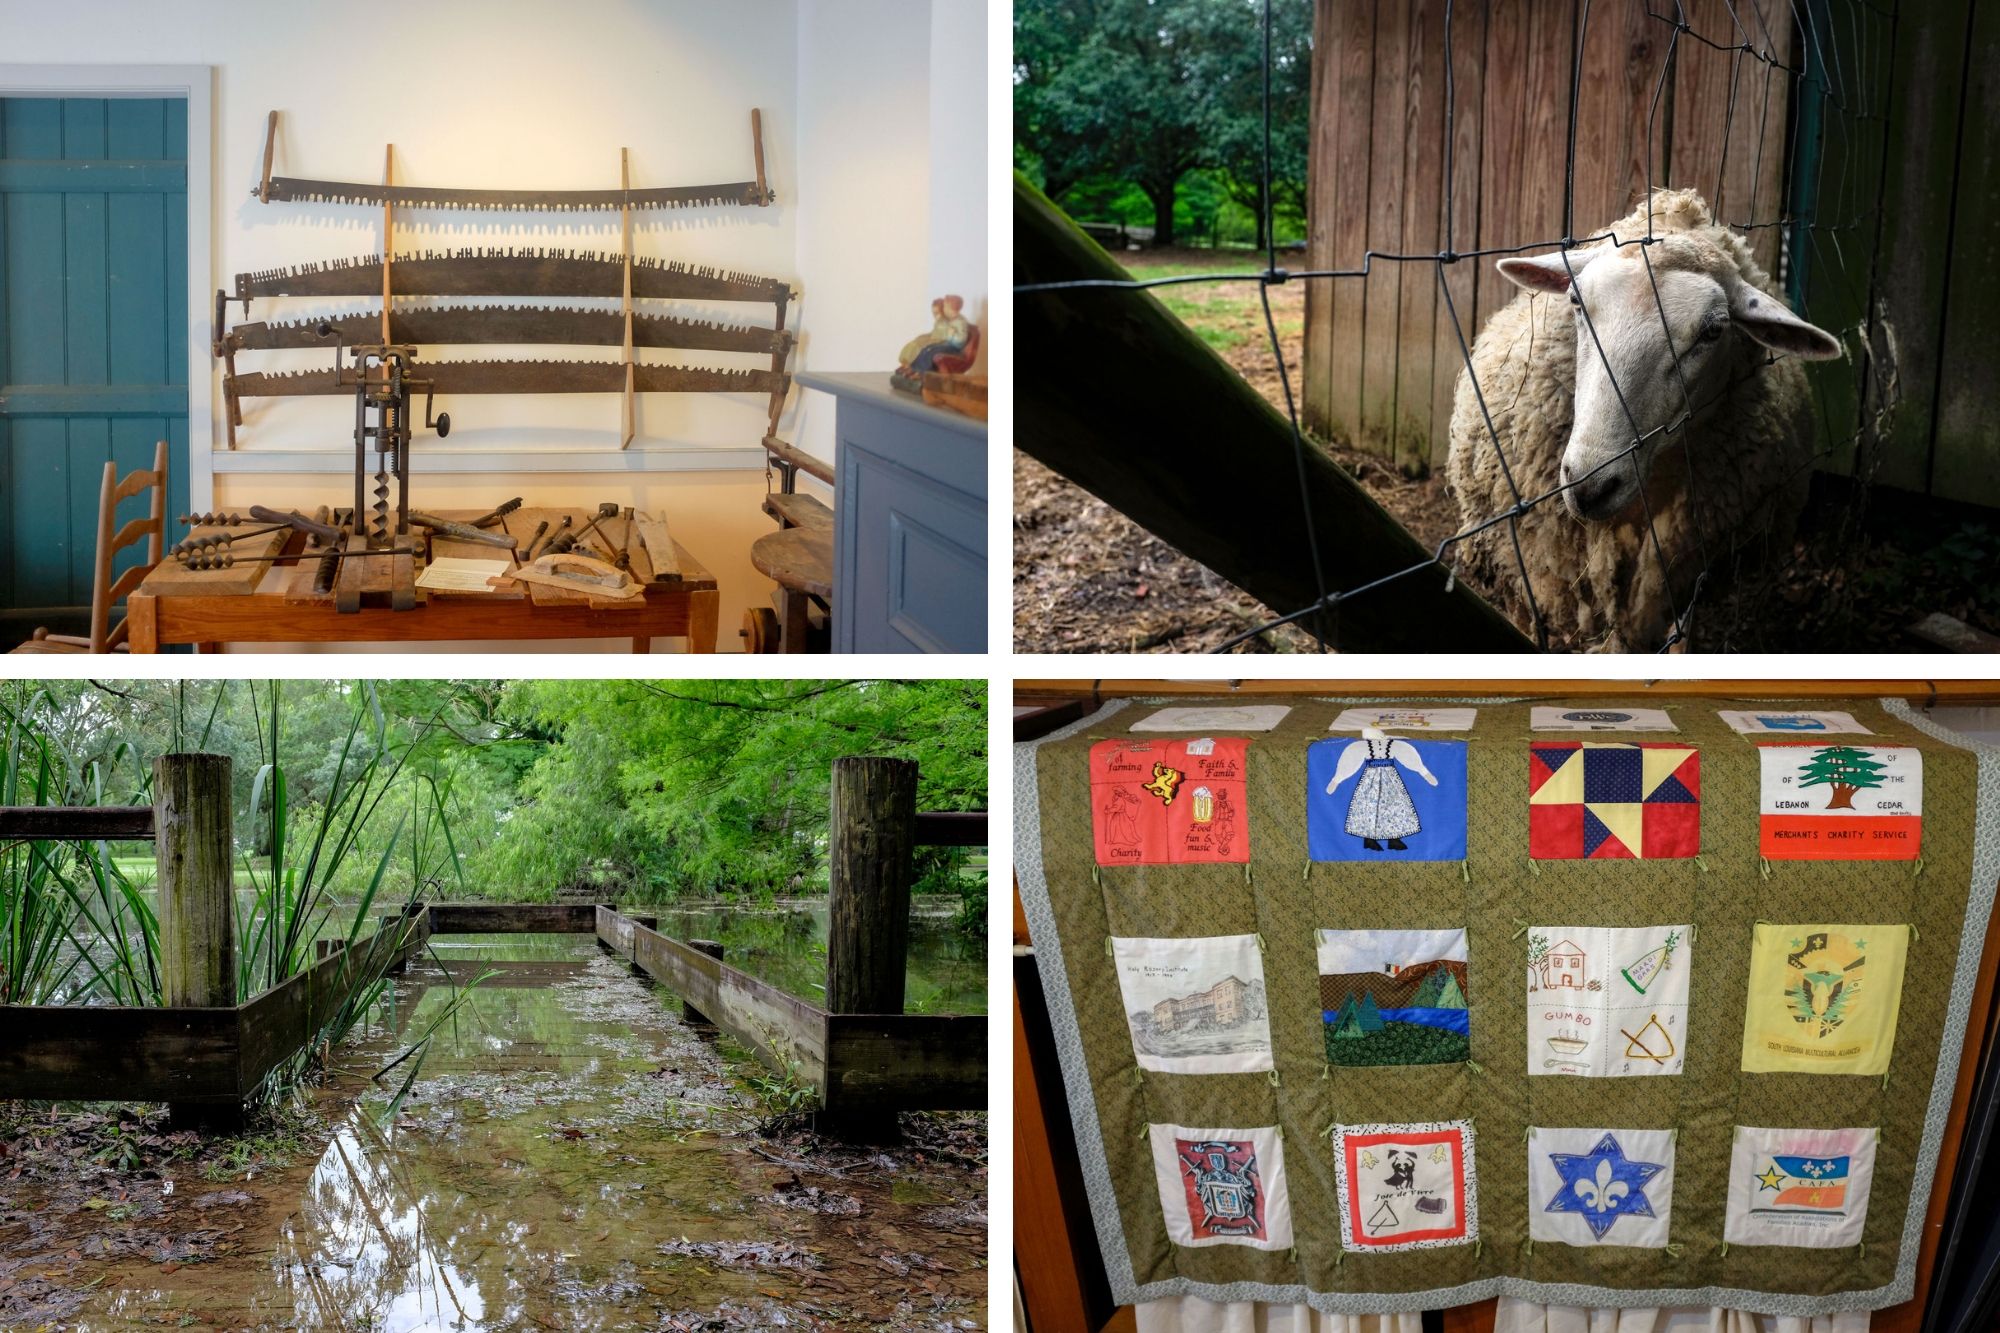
1545	273
1765	318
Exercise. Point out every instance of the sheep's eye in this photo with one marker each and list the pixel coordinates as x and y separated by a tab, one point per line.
1713	332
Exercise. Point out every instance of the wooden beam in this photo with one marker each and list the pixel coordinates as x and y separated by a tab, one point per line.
870	837
804	462
513	918
933	1061
1203	461
196	851
78	1053
951	828
58	823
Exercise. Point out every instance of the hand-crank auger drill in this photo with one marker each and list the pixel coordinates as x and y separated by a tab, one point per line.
384	380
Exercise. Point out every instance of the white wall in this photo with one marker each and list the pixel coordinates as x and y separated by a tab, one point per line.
526	93
959	171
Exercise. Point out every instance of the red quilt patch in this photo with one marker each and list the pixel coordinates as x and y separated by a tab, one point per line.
1169	802
1598	800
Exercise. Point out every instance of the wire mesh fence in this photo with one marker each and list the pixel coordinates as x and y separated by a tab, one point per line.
1823	59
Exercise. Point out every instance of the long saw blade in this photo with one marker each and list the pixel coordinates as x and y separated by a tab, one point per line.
291	189
519	325
484	377
511	272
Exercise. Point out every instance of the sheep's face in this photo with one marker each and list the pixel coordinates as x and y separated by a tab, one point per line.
1654	350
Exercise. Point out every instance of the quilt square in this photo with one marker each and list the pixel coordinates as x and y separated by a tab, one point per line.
1169	802
1555	717
1195	1006
1405	719
1589	1187
1394	997
1778	721
1602	800
1800	1187
1384	798
1823	998
1222	1186
1406	1187
1608	1002
1840	802
1217	717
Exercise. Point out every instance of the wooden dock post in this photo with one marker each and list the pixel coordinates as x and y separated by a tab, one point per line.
871	845
690	1014
195	848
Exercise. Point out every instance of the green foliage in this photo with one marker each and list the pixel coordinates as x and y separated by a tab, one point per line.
1399	1044
1842	766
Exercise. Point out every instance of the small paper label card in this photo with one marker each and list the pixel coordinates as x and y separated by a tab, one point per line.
1386	799
1220	717
1405	719
1222	1186
1840	802
1554	717
1406	1187
1195	1006
1823	998
1394	997
1779	721
1608	1002
1169	802
1613	800
1803	1187
1590	1187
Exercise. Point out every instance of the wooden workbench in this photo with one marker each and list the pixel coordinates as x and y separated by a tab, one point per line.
272	604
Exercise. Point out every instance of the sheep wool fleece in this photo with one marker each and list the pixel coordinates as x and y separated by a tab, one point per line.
1379	1084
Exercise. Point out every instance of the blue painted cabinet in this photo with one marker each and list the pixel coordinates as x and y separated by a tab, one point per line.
909	521
93	332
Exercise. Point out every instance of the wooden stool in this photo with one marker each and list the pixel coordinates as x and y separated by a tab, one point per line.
800	561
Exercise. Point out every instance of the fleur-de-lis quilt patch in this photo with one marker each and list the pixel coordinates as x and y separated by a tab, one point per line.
1801	1187
1169	802
1820	802
1824	998
1590	1187
1611	800
1222	1186
1406	1187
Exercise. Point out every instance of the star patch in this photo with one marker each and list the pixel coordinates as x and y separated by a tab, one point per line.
1592	800
1603	1185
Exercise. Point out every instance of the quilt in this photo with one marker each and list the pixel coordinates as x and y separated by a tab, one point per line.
1423	1002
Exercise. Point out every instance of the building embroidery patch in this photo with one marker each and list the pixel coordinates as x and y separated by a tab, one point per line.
1601	800
1600	1186
1169	802
1222	1186
1383	798
1406	1187
1195	1006
1608	1002
1777	722
1824	998
1405	719
1394	997
1801	1187
1840	802
1554	717
1245	717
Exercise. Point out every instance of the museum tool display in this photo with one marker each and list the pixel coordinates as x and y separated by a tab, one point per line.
1382	1005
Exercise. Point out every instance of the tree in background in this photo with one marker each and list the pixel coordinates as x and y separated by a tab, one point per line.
1143	92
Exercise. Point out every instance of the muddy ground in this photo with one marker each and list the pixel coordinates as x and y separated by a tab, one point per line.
572	1156
1866	565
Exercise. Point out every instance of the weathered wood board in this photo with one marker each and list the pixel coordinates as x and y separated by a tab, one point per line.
170	578
513	918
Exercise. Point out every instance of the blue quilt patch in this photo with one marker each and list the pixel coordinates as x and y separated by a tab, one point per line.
1391	799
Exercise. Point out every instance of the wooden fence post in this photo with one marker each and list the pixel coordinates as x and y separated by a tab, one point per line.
871	842
690	1014
196	853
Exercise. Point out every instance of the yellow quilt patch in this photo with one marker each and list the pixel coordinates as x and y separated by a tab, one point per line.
1823	998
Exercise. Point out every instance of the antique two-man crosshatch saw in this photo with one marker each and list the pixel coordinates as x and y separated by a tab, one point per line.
1383	1006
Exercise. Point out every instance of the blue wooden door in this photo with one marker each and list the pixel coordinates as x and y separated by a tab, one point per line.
93	333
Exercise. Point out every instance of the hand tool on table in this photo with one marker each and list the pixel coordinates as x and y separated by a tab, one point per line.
555	536
624	560
580	573
465	532
319	529
498	515
528	548
224	560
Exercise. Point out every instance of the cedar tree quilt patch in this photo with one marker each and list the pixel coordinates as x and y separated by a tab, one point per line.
1600	1186
1608	1002
1406	1187
1602	800
1803	1187
1823	998
1169	802
1222	1186
1195	1006
1394	997
1382	798
1840	802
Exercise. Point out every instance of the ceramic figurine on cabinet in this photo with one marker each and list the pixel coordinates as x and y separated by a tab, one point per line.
949	347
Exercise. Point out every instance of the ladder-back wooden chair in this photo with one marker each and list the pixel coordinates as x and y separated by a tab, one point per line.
104	591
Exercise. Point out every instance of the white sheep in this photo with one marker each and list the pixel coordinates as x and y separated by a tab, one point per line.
1568	395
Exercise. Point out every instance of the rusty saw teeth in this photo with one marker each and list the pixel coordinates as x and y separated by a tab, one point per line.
509	325
291	189
511	271
479	377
